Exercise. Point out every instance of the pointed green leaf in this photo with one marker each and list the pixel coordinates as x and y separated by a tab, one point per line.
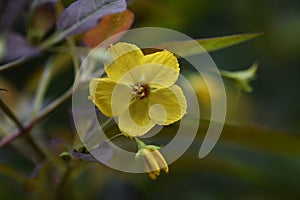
188	48
214	44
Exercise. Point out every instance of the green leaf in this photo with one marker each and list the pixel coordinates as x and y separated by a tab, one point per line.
188	48
10	114
214	44
242	78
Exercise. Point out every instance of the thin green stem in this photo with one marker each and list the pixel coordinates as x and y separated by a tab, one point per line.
139	143
62	49
74	56
113	137
107	122
28	138
11	114
3	132
12	64
53	106
53	39
30	17
43	86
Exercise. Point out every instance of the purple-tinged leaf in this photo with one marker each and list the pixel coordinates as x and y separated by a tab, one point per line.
42	2
103	153
85	14
16	47
83	156
9	12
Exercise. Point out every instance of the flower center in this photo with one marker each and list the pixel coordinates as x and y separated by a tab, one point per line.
140	90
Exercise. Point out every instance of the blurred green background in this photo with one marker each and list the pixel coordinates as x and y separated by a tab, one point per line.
257	156
274	100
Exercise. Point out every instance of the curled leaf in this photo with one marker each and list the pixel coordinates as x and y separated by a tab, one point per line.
84	14
108	26
243	77
103	153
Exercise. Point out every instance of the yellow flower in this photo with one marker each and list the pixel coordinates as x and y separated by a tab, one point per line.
139	89
151	159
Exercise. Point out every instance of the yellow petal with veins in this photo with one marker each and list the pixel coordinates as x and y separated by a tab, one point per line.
111	98
135	121
167	105
164	57
123	57
155	75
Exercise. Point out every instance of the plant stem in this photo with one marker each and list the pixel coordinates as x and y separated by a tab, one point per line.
11	114
139	143
73	55
44	83
53	106
113	137
107	122
12	64
55	38
42	115
62	49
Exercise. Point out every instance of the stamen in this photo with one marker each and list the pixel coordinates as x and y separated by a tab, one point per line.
140	90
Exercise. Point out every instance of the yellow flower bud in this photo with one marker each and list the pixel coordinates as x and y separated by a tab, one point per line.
151	159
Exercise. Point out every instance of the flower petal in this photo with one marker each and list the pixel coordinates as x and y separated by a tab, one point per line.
111	98
155	75
164	57
135	121
124	57
161	69
167	105
159	76
161	161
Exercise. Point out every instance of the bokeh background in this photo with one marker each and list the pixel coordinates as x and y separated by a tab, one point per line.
273	102
258	155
